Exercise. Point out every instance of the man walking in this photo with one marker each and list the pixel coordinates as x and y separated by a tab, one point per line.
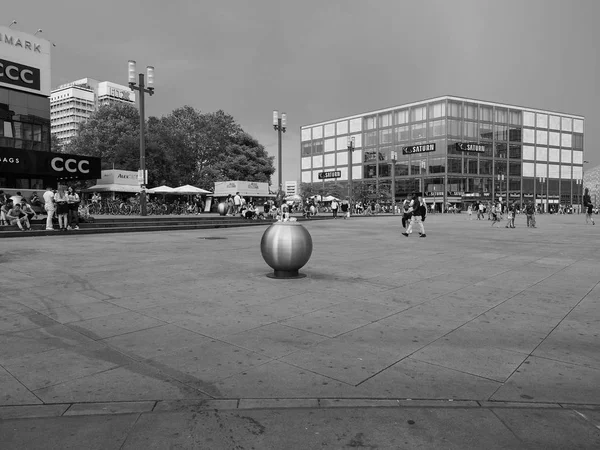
237	203
49	207
334	208
406	214
419	212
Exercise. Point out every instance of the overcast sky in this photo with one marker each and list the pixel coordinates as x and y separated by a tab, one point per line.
323	59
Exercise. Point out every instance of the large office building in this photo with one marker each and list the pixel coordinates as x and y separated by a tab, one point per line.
455	150
591	180
26	160
74	102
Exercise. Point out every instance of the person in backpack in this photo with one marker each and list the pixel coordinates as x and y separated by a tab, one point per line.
530	213
406	215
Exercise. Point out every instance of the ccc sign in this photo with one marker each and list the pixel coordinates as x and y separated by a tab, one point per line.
70	165
19	75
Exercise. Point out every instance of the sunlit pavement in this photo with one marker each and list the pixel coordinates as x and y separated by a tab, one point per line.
480	336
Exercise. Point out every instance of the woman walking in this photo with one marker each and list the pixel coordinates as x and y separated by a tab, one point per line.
73	202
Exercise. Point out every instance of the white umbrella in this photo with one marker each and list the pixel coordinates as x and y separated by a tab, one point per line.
293	198
160	190
188	189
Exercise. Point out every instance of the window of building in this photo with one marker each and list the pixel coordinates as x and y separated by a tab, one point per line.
385	120
554	123
485	113
370	155
541	120
370	138
437	165
515	134
437	110
485	166
402	133
370	123
330	145
500	132
486	131
541	137
385	136
454	165
514	169
577	157
528	170
514	151
553	154
402	116
401	168
470	130
567	124
500	150
541	153
515	117
317	146
529	135
577	126
370	171
306	162
470	165
454	129
342	127
454	109
577	140
317	132
470	111
437	128
416	164
419	131
565	172
501	115
565	140
554	138
342	158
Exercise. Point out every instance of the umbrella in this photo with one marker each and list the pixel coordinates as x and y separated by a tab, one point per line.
161	190
293	198
188	189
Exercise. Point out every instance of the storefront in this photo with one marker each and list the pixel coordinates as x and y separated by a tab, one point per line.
251	190
26	161
112	182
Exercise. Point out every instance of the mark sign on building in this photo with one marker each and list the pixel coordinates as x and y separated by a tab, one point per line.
469	147
418	149
332	174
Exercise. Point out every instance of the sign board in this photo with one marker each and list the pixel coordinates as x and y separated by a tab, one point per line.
60	165
332	174
470	147
142	178
423	148
114	90
25	63
128	177
245	188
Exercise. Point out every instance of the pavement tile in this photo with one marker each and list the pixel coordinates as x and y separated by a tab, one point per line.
156	341
24	321
31	411
85	311
410	378
516	320
48	433
142	300
114	325
538	428
10	307
128	383
89	409
211	361
274	340
221	325
545	380
358	403
278	379
12	392
341	318
471	357
55	366
273	403
195	405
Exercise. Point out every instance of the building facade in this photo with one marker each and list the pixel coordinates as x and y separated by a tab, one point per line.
591	180
455	150
73	103
26	162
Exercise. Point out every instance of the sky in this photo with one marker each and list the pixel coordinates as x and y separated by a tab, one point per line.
318	60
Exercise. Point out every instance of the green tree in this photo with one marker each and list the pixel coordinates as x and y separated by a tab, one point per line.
55	145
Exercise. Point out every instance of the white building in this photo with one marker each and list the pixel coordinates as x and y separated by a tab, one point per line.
73	103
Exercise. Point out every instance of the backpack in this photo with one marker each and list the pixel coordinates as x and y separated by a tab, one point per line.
529	209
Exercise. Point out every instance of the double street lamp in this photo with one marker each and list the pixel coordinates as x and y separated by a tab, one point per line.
142	89
394	155
279	123
544	193
351	147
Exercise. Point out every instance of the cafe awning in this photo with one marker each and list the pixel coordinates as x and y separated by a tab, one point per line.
115	188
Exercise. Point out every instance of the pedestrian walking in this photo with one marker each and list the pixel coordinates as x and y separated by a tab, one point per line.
588	206
49	207
419	211
470	212
334	208
530	213
345	209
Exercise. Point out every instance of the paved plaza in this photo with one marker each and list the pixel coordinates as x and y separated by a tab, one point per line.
483	326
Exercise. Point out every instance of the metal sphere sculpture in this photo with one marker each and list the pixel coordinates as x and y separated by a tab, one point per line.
286	247
222	208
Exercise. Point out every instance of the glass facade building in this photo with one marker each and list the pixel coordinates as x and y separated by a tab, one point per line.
454	150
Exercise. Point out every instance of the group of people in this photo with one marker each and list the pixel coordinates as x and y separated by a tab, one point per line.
16	211
414	212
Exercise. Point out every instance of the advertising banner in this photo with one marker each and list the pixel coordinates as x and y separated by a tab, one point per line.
61	165
25	63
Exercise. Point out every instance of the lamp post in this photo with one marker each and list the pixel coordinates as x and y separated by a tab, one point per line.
544	193
394	155
351	143
279	123
500	178
143	90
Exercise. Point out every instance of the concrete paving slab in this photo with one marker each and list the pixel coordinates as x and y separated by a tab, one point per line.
220	325
95	433
549	428
155	298
156	341
55	366
545	380
128	383
114	325
32	411
24	321
9	307
274	340
415	379
274	403
194	405
12	391
90	409
211	361
85	311
281	380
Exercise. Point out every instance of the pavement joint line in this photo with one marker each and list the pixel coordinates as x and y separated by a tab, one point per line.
299	403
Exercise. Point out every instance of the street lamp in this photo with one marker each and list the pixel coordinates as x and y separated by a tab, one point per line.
142	89
279	123
544	193
394	155
351	146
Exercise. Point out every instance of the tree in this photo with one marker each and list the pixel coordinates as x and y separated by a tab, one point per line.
55	144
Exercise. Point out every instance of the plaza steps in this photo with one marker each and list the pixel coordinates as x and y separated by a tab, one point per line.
129	224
